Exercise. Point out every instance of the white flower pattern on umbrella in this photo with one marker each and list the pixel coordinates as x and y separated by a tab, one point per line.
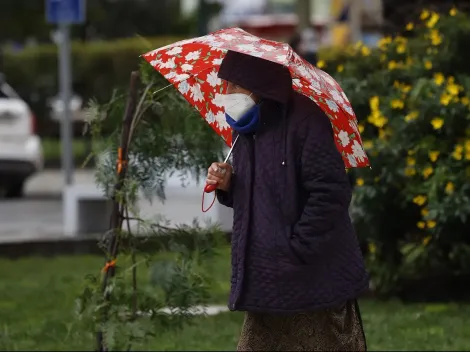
183	87
358	151
267	47
213	79
210	117
193	55
181	77
187	67
227	37
352	160
196	93
221	120
168	64
343	138
192	65
175	51
332	105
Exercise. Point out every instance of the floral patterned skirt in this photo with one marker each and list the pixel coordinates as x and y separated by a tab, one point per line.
332	329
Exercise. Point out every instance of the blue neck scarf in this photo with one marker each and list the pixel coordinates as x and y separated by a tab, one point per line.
248	123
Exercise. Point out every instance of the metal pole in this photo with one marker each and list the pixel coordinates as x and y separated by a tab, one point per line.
202	18
303	14
65	86
355	17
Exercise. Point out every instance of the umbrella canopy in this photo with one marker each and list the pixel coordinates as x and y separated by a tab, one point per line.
192	67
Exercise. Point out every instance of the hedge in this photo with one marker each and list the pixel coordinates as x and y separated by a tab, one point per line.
412	97
98	69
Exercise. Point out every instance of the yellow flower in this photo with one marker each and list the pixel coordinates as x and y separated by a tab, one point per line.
360	182
420	200
392	65
374	103
465	101
431	224
340	68
424	14
401	48
449	188
377	119
421	224
384	42
360	127
427	64
424	212
410	171
433	20
445	99
453	11
397	104
413	115
410	161
437	123
439	78
427	172
321	64
410	26
426	240
457	154
368	144
365	51
384	133
435	37
453	89
411	152
433	155
405	88
450	79
372	248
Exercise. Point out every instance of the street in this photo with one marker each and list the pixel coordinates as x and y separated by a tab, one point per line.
38	215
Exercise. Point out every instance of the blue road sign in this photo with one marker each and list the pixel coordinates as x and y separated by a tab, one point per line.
65	11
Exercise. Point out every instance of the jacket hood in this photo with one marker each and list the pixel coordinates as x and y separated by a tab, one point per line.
264	78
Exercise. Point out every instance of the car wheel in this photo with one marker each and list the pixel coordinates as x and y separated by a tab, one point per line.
15	189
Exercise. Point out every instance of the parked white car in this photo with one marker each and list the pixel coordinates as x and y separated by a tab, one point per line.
20	148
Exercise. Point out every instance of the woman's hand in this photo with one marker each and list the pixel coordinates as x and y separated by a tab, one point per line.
220	174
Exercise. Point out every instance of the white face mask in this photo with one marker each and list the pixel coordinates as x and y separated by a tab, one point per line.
237	104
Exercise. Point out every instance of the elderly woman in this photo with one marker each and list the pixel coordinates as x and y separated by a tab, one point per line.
297	269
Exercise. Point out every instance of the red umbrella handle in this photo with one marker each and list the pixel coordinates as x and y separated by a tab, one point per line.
210	188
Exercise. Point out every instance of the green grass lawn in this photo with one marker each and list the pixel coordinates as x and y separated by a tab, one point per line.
37	297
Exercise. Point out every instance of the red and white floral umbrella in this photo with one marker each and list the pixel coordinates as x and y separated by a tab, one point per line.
192	66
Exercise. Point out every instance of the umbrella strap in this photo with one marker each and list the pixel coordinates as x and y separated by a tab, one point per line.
202	203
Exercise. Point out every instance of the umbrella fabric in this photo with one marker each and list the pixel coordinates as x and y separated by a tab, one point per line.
192	67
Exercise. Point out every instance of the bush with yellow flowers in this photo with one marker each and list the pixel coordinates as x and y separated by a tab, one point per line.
411	96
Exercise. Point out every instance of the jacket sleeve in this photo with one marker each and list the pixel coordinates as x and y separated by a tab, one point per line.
226	198
324	178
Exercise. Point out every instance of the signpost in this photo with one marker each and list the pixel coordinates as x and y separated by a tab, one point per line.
65	13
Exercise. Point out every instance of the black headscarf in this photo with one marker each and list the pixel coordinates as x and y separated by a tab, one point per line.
266	79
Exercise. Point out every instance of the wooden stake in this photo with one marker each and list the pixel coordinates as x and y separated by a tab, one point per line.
117	211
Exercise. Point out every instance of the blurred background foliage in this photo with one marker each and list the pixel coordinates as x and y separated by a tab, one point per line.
411	97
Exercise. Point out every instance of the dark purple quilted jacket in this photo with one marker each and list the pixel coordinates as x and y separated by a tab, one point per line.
293	243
